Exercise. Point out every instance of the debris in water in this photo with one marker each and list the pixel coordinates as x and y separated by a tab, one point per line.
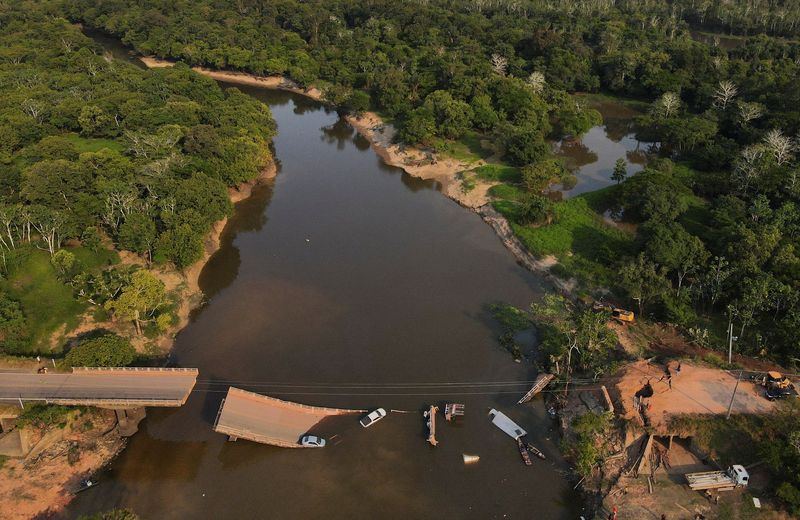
471	459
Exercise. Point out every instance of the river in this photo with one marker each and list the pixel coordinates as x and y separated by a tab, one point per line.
340	272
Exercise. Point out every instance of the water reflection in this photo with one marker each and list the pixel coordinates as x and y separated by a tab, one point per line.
592	157
223	266
346	271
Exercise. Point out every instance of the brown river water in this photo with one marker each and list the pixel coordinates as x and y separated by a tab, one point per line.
347	283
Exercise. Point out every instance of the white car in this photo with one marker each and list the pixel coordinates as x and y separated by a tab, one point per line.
373	417
312	441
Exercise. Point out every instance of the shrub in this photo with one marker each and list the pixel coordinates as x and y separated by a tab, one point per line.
44	415
105	351
114	514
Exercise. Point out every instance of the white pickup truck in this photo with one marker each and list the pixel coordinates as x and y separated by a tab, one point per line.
735	476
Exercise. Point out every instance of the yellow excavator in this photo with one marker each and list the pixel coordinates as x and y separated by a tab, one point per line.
622	315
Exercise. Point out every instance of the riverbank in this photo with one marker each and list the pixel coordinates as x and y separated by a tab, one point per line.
416	162
182	285
44	482
56	459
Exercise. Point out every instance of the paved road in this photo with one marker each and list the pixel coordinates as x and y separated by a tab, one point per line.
154	387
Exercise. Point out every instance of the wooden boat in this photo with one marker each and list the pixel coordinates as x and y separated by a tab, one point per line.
524	453
536	451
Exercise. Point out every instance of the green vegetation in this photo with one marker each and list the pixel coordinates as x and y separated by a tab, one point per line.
44	416
44	300
462	72
589	447
774	439
96	151
104	351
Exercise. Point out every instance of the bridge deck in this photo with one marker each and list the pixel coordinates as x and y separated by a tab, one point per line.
268	420
102	386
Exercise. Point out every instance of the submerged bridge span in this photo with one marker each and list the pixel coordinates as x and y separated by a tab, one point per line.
264	419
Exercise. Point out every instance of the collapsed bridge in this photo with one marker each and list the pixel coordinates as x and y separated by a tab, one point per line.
264	419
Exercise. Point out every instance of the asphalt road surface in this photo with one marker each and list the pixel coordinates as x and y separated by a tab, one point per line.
170	386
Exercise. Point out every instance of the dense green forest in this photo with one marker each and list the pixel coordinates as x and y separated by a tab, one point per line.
716	216
97	155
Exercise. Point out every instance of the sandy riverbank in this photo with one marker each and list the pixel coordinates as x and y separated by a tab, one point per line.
414	161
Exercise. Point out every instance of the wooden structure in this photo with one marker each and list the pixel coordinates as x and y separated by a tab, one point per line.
453	410
430	414
536	451
541	381
264	419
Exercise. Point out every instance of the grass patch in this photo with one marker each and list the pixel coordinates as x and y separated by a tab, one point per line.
498	173
586	246
601	98
83	144
94	260
723	439
468	148
697	218
48	303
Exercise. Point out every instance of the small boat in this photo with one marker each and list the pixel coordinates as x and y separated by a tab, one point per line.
524	453
536	451
471	459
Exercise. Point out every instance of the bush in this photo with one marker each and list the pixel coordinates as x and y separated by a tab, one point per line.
44	415
14	330
181	245
105	351
114	514
590	447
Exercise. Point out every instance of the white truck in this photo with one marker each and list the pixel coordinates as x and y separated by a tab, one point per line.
736	476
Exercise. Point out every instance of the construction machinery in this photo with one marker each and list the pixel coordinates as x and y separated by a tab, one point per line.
734	477
619	314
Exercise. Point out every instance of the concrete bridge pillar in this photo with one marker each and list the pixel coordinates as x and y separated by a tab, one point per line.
128	420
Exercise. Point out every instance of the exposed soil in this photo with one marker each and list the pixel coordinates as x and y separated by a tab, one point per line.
695	390
415	161
46	480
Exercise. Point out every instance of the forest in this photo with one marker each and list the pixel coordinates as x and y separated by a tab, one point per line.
99	156
715	211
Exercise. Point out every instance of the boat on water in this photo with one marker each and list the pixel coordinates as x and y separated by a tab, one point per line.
536	451
523	451
503	422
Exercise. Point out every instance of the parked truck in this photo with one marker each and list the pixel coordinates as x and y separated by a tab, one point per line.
736	476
